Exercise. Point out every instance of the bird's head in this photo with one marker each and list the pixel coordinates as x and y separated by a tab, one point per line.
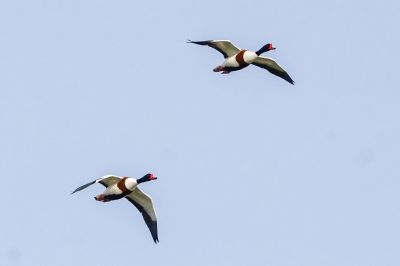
151	176
269	47
265	48
147	177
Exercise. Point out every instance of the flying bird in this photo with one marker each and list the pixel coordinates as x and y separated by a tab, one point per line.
127	187
236	58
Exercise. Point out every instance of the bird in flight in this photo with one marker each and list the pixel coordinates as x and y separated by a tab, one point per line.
236	58
127	187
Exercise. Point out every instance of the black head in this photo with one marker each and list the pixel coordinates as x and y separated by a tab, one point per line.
146	178
265	48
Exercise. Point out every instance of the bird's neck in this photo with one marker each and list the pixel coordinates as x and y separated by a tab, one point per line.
262	50
143	179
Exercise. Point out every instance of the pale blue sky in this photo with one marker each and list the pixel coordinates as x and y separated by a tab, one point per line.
252	170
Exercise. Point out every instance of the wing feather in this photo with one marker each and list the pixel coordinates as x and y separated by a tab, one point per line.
145	205
109	180
84	186
106	181
225	47
273	67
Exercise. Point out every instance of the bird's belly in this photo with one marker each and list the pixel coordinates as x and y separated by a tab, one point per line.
240	60
113	190
114	193
231	62
114	196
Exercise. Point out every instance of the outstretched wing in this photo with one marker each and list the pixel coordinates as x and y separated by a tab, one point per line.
109	180
273	67
145	205
225	47
106	181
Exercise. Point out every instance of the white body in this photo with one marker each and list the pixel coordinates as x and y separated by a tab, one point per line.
248	57
130	183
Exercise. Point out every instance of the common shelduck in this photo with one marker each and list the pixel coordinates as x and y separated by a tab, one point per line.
126	187
236	59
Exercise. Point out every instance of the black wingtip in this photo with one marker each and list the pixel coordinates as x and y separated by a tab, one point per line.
154	235
286	77
199	42
83	187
